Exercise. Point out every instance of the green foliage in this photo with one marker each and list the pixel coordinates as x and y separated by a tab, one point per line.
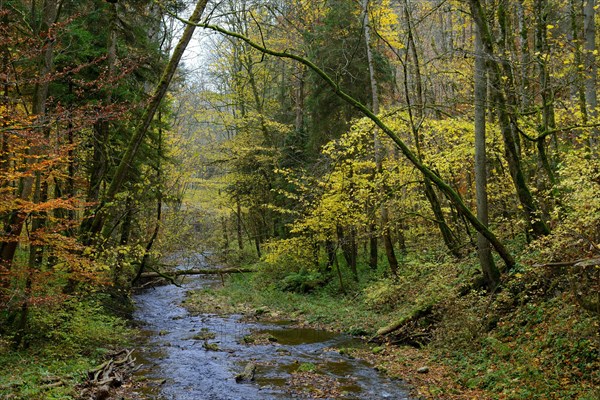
549	348
307	367
532	332
87	323
322	306
383	295
420	283
462	324
25	375
293	255
79	326
301	282
337	44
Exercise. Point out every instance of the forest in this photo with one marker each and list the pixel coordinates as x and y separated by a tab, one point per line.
422	174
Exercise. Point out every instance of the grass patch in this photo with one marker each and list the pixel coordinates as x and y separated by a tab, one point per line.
323	309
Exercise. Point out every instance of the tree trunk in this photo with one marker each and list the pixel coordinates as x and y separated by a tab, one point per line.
591	69
440	219
101	127
349	249
535	224
225	232
257	247
39	189
238	223
34	184
385	222
28	185
148	248
525	57
489	269
579	88
299	105
159	201
546	92
330	250
373	250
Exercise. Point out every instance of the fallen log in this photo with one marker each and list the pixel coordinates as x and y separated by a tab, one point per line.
413	316
213	271
577	263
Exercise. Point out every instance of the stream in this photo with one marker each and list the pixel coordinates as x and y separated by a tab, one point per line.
198	357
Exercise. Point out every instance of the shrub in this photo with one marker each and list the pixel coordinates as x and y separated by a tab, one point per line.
383	295
301	282
287	264
80	327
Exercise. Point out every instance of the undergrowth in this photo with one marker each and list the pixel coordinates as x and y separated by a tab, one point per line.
530	340
63	343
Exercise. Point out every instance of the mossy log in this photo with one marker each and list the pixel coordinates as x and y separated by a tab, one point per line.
413	316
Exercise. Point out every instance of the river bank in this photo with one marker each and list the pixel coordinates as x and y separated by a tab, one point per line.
426	376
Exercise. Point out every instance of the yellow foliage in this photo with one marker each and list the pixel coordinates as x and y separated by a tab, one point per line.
576	232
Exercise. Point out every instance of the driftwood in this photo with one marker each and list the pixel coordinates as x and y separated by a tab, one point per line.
213	271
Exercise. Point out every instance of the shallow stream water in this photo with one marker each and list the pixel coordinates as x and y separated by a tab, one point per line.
205	369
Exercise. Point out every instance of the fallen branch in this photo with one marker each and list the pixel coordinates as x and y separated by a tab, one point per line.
577	263
592	262
152	282
52	385
171	274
